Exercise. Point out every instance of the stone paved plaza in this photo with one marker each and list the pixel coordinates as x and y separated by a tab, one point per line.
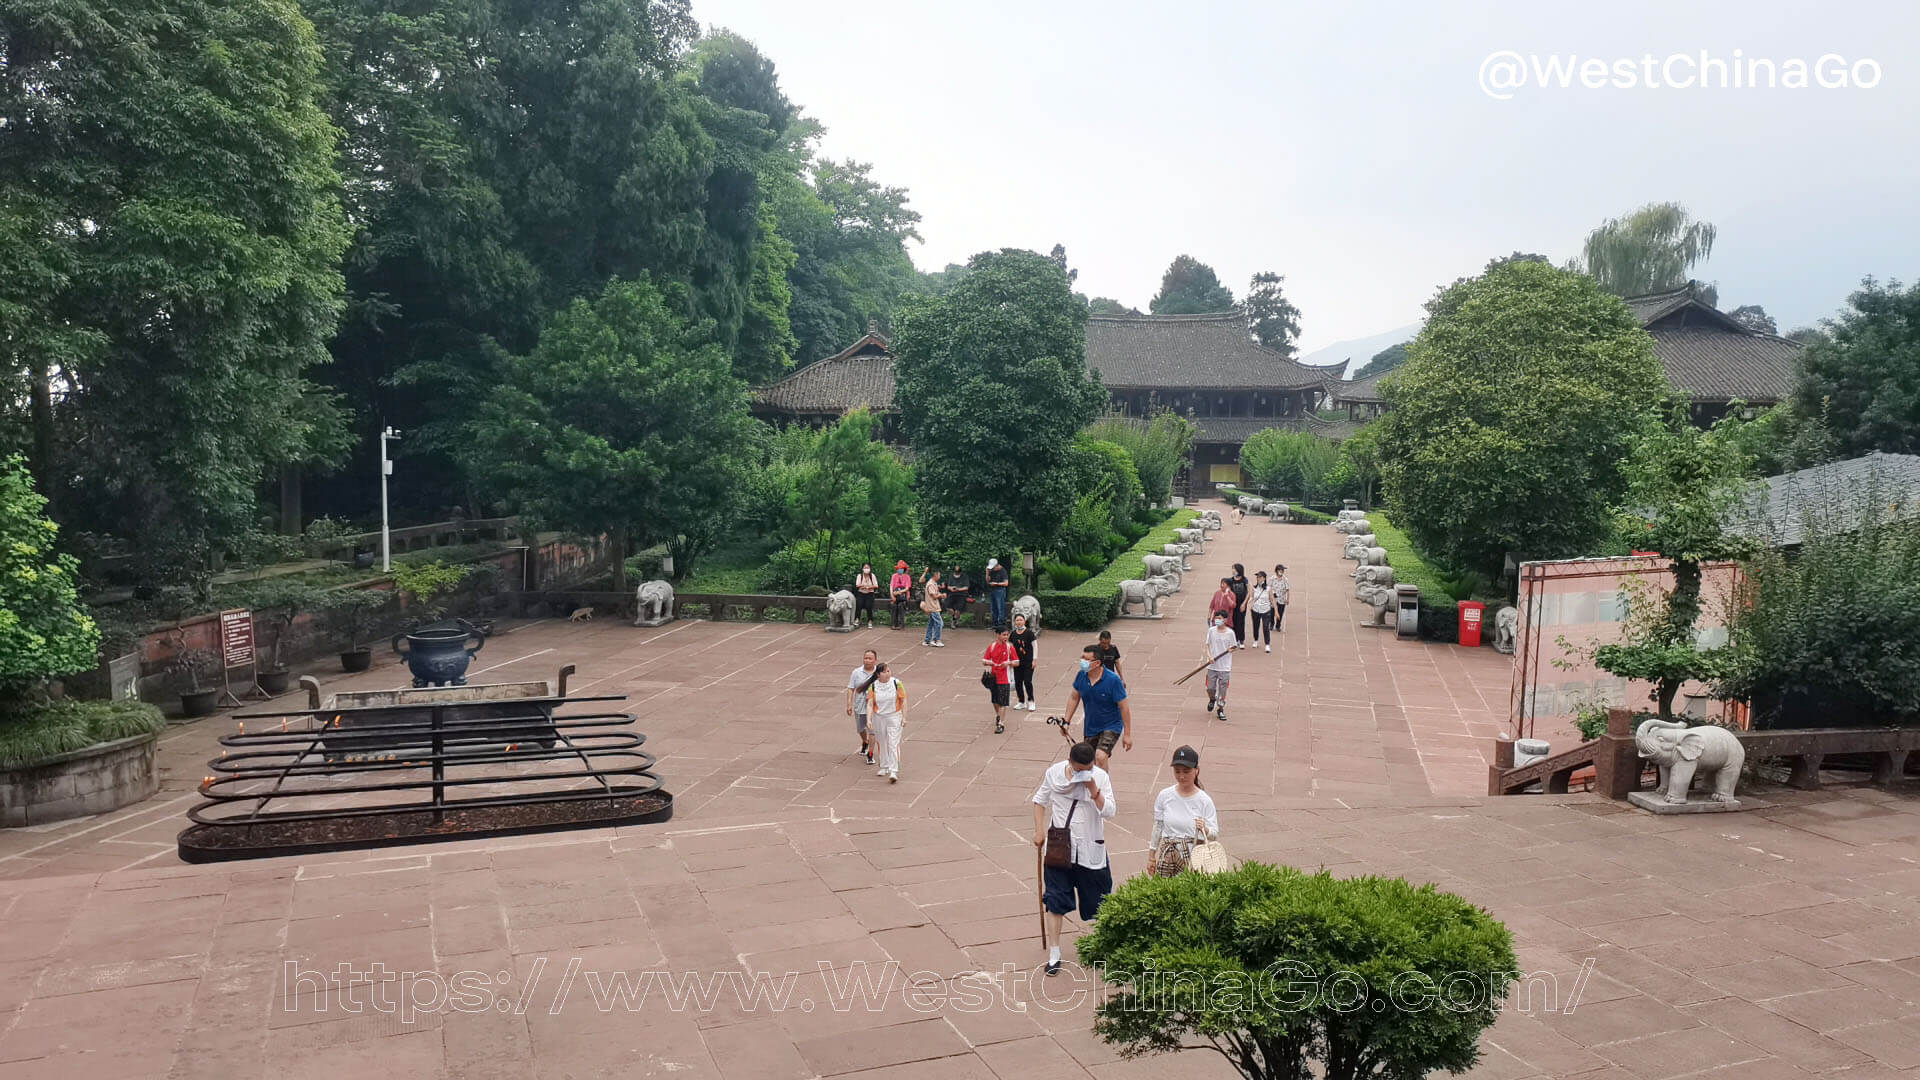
1774	943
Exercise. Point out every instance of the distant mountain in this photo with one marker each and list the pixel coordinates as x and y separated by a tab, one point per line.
1359	350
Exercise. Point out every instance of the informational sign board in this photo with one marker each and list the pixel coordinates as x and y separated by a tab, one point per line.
236	638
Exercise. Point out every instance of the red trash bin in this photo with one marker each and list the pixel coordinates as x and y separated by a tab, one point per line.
1470	618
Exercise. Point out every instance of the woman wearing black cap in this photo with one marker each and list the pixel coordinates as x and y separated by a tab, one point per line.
1182	814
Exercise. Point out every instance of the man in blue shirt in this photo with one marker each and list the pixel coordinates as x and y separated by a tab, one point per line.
1109	718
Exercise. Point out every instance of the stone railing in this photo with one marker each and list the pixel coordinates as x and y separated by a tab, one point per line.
418	537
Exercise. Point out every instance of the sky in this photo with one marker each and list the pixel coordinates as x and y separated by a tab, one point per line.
1359	148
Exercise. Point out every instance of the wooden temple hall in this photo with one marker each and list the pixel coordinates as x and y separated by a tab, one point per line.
1204	367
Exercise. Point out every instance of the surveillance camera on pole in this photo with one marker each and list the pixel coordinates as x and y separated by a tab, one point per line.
386	470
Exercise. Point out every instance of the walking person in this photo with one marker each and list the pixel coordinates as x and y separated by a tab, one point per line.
1075	795
1222	600
1221	641
857	699
1282	589
865	588
1239	583
1110	656
958	591
1182	814
932	598
1260	606
998	662
1023	641
997	582
900	592
887	718
1109	719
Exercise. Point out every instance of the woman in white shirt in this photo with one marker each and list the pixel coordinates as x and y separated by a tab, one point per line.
1260	602
1182	814
886	716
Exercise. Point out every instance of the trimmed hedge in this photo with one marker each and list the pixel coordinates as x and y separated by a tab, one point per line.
1439	614
1096	601
1311	517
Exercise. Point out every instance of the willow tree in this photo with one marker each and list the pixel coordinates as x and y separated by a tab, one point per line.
1650	250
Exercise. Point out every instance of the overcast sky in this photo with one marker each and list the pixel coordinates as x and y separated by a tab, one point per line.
1351	147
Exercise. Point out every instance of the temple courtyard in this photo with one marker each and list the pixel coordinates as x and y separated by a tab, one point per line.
800	917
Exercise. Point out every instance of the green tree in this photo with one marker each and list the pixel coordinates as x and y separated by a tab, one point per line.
171	241
1682	484
1511	417
1755	318
44	631
1384	361
1271	317
1356	475
1289	975
1107	305
1158	446
1649	250
1860	383
623	421
849	234
1190	287
1009	341
1107	467
856	495
1291	463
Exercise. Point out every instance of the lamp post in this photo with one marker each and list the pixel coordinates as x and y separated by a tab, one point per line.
386	470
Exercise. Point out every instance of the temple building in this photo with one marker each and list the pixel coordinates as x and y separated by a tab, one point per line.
1204	367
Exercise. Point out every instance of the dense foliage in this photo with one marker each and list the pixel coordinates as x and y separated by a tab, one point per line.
1286	463
1093	602
1512	415
624	421
1860	382
1190	287
170	243
1271	317
1289	974
849	501
1650	250
44	632
66	725
993	385
1383	361
1158	447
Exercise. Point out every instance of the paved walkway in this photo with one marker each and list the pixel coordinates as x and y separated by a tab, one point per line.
1776	943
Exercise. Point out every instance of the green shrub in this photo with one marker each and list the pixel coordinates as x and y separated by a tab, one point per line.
1290	974
1302	515
801	564
1064	576
35	731
1093	603
1439	611
44	631
1072	611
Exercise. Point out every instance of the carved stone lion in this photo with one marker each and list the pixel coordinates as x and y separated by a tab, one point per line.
1146	593
655	600
840	612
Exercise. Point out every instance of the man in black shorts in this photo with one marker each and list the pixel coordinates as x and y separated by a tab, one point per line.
1109	717
998	663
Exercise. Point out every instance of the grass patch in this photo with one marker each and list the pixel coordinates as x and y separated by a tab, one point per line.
39	731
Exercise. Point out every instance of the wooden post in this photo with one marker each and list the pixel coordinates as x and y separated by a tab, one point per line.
1502	761
1616	768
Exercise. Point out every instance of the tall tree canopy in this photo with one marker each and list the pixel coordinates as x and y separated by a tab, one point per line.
993	385
1755	318
623	420
1271	317
170	247
1190	287
1649	250
1512	415
1860	381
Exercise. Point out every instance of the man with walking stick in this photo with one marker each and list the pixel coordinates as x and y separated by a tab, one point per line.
1070	811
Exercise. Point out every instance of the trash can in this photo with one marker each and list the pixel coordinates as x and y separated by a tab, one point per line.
1472	614
1407	605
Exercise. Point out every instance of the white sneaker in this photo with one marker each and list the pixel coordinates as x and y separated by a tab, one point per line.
881	772
1269	648
1032	705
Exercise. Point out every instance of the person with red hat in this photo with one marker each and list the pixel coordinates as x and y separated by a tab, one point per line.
900	591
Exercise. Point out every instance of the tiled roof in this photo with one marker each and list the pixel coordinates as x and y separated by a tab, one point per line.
1211	352
1360	391
833	386
1839	495
1238	429
1709	354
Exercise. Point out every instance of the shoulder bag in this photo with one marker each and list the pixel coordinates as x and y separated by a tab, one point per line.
1060	840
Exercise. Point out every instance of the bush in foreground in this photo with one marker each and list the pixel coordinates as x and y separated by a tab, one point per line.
1288	974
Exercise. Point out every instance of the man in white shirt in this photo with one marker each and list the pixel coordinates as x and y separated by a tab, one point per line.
1076	795
857	700
1221	641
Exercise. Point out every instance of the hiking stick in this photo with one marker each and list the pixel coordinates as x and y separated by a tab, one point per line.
1040	872
1202	667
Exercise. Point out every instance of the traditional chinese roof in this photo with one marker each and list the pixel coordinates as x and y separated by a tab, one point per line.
1837	496
860	374
1202	352
1361	391
1711	355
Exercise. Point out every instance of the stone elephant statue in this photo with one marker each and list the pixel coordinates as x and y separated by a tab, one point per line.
1210	520
1146	593
1506	629
1380	599
1353	526
1252	504
1179	550
840	611
1278	512
1372	575
655	601
1029	606
1682	751
1371	557
1350	514
1357	546
1196	537
1167	566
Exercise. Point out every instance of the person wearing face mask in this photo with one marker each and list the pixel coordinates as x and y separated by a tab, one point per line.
1221	641
900	592
1075	795
865	588
1109	717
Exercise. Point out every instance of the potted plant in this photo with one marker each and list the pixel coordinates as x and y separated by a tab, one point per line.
351	611
276	604
196	667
